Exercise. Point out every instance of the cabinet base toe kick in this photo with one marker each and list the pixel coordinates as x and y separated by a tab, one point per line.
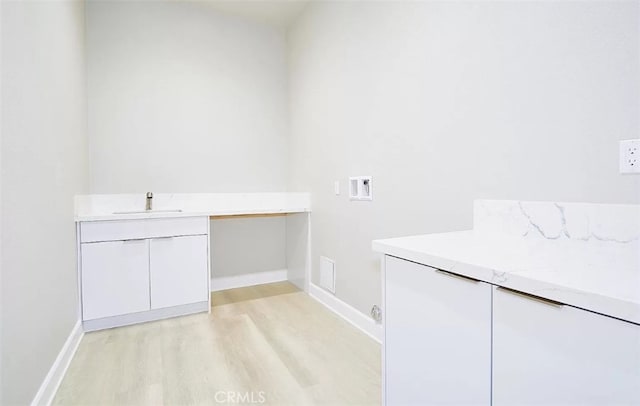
146	316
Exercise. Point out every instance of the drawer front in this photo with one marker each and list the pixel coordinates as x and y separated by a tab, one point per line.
117	230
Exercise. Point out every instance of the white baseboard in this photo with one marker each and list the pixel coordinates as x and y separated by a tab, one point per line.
250	279
350	314
53	379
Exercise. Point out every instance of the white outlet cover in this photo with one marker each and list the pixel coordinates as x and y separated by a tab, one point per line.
336	187
630	156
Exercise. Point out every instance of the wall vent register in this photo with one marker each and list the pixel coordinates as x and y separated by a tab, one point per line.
328	274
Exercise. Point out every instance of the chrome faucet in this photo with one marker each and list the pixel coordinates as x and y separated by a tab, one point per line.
149	201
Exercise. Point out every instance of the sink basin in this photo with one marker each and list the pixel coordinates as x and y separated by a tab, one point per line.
148	211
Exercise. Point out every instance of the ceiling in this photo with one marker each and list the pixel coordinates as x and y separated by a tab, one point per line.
279	13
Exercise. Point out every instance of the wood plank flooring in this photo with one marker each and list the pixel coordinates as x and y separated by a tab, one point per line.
268	344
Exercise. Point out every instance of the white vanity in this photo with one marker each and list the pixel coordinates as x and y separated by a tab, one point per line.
539	304
142	265
141	270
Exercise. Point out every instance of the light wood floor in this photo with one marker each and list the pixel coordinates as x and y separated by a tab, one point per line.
269	342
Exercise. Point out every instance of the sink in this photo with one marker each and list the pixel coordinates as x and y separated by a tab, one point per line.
148	211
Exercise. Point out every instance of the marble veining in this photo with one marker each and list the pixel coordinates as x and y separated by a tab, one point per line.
498	277
584	255
617	223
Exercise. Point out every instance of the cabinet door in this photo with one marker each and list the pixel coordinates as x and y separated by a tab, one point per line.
546	354
437	337
179	271
115	278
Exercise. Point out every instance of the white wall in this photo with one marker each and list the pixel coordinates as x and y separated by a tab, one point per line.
248	245
445	102
183	98
44	163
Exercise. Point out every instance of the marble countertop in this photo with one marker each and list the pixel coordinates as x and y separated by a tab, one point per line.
597	274
119	206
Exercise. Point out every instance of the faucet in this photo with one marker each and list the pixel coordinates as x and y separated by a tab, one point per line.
149	201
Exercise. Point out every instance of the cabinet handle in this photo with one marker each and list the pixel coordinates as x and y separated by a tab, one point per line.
532	297
133	240
455	275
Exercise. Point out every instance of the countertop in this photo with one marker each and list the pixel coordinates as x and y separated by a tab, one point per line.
110	206
595	273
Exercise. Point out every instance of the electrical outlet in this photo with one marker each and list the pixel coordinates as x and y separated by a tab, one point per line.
630	156
336	187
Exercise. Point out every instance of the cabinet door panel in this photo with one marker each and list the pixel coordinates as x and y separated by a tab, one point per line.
437	337
179	271
560	355
115	278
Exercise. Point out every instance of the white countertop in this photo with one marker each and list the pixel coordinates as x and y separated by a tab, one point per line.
596	274
599	276
110	207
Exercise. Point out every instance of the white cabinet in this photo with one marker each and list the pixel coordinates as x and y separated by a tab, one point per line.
548	354
155	268
451	340
115	278
178	270
437	337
